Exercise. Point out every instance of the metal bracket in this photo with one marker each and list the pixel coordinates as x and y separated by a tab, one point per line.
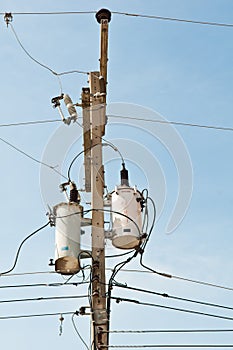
8	18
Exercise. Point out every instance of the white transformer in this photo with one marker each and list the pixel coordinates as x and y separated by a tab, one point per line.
126	217
67	237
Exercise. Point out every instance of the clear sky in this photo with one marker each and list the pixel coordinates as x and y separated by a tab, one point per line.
158	70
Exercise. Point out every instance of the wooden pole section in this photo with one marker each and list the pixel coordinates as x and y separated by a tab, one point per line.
98	120
86	137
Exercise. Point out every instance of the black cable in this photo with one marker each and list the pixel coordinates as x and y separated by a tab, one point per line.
119	299
76	330
124	14
33	285
173	123
50	13
165	295
74	159
43	299
31	123
91	147
221	128
165	346
35	315
171	331
168	275
173	19
116	269
118	255
32	158
152	224
39	63
20	246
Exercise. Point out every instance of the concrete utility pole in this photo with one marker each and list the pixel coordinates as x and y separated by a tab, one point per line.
94	128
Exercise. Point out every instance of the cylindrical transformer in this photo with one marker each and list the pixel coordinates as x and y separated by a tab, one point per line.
67	237
126	217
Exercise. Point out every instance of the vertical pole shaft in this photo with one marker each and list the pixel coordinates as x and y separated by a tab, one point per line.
98	121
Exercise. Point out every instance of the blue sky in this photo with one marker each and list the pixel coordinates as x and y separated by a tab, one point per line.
178	71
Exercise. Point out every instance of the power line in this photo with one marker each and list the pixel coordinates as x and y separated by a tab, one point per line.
31	123
43	299
20	246
222	128
76	330
166	346
138	15
119	299
28	273
167	275
171	331
35	315
174	19
41	64
51	13
32	158
214	127
165	295
32	285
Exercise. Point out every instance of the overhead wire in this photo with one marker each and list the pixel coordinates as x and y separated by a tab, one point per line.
168	275
214	127
137	15
65	297
222	128
127	331
202	346
35	315
119	299
42	64
76	330
173	19
20	246
116	269
31	123
165	295
53	168
51	284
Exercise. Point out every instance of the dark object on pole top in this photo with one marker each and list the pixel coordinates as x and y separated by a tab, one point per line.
103	14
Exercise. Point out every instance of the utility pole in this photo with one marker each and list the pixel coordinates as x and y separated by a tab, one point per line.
94	129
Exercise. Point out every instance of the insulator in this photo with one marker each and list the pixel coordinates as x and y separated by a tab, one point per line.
70	106
124	176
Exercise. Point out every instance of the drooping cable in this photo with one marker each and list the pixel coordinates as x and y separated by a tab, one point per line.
76	330
42	64
88	149
53	168
20	246
116	269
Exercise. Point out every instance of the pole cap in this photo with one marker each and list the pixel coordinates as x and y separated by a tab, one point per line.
103	14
